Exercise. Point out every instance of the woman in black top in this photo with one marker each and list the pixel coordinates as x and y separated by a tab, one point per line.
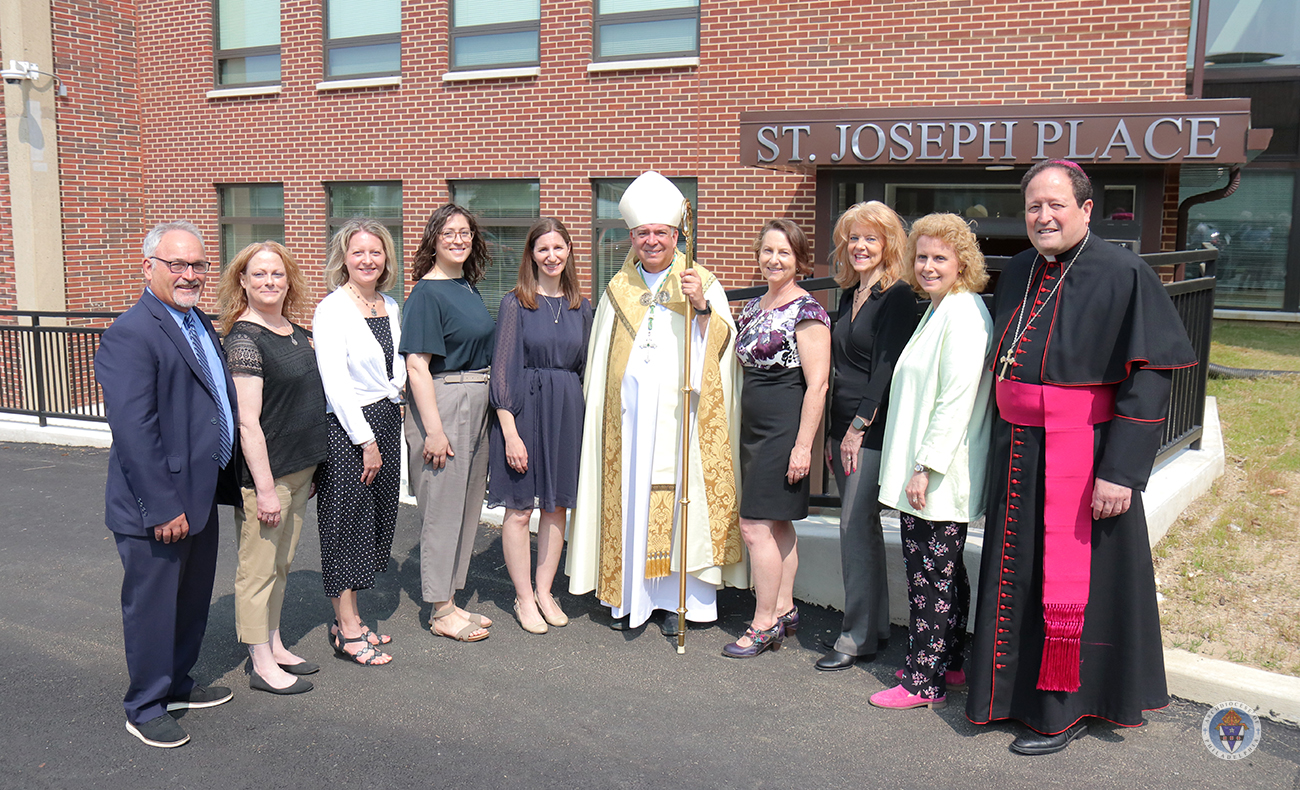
282	433
876	318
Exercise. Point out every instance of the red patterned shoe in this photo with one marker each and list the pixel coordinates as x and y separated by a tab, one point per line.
898	698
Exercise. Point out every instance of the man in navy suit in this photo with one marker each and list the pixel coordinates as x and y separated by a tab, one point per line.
171	406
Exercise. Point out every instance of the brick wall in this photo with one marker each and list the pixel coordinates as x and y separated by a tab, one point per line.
100	150
8	289
565	127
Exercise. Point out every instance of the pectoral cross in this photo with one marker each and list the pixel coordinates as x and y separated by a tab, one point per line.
1007	360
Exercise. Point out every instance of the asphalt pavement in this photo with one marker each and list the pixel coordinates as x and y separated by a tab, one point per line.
579	707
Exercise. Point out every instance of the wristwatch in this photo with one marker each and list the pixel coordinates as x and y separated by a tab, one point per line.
858	423
706	311
920	468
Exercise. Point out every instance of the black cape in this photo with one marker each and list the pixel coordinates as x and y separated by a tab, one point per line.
1109	322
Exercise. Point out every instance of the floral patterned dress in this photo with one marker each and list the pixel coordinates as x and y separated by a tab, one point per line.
770	405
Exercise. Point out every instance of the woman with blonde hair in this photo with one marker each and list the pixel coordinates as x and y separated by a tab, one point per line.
537	367
936	444
282	433
876	317
358	330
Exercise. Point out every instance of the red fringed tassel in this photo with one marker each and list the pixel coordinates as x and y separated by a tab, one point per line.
1063	624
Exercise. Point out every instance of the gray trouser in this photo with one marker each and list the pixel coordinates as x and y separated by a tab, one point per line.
862	556
451	498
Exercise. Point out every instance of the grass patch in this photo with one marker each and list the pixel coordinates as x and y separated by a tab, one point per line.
1226	570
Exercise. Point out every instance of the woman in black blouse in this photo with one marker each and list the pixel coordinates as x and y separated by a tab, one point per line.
282	433
447	339
876	317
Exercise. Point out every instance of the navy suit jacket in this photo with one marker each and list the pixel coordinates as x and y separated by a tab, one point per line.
166	428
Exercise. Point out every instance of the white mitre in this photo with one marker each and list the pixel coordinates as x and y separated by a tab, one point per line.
652	200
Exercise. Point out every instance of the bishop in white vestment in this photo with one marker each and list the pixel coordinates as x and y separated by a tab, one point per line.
625	534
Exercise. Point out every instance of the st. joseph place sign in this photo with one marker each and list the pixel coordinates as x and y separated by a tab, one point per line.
1209	131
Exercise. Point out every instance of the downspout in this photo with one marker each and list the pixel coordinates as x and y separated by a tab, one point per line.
1184	208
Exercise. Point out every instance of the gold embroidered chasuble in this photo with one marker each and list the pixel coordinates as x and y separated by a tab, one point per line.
715	548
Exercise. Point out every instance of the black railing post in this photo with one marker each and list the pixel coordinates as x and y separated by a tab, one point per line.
38	362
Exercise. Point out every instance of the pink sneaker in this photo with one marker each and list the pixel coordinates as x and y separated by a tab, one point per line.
898	698
954	679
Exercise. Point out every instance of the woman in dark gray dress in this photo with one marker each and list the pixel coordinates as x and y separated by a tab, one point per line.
541	354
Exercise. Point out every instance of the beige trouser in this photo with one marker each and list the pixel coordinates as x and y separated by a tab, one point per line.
265	554
450	498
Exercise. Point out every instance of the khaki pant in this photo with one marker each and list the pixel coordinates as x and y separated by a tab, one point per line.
265	554
451	498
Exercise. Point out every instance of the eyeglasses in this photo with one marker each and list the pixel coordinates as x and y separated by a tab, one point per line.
179	267
452	235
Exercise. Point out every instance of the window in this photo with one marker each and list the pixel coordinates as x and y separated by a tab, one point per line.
247	45
1249	32
635	29
1251	228
611	244
489	34
363	38
505	209
381	200
250	213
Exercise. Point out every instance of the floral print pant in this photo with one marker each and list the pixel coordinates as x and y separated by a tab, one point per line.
938	594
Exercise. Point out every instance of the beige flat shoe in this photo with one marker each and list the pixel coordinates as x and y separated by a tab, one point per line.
539	628
465	634
559	621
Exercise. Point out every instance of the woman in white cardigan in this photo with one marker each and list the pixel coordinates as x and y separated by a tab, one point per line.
936	441
357	330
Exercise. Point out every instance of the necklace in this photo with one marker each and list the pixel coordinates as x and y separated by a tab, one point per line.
373	312
1007	358
557	307
652	301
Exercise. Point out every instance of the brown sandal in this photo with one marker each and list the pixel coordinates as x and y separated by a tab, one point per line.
464	634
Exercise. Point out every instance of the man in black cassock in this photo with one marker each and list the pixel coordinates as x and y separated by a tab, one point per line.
1067	625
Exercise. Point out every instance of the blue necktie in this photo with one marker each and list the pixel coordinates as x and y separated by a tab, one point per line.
192	329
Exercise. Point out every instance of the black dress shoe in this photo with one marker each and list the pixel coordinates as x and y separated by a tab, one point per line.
621	623
299	685
668	627
835	660
301	668
1037	743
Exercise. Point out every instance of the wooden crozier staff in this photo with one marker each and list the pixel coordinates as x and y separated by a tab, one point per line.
686	438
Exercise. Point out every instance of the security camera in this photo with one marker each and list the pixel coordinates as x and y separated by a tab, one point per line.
18	71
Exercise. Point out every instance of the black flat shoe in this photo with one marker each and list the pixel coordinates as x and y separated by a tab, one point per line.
256	682
301	668
621	623
834	660
1036	743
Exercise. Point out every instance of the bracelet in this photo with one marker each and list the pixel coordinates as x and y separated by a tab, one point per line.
364	445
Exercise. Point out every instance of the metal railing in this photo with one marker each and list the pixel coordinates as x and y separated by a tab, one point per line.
1193	299
47	361
47	358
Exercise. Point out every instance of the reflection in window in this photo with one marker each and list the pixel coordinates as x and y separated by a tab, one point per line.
505	209
611	244
363	38
1251	229
249	213
247	42
1249	32
381	200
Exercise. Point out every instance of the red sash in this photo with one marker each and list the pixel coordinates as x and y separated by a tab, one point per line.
1066	415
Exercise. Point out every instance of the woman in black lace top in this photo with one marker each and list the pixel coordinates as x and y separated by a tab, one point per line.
282	433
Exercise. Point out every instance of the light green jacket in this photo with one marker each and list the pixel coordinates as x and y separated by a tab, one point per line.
939	412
